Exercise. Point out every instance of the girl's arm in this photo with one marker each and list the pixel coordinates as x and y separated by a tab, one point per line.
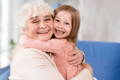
75	56
53	45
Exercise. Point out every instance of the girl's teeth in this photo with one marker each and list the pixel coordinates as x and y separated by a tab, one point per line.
59	32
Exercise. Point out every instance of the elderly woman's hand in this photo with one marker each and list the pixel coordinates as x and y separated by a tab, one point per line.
75	57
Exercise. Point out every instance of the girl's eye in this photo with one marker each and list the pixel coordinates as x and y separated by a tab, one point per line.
57	20
66	23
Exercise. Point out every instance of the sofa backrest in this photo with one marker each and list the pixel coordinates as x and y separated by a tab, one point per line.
4	73
104	58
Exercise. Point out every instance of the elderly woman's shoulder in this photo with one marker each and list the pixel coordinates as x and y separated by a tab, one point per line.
20	50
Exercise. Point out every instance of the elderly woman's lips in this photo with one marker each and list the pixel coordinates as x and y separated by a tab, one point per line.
42	32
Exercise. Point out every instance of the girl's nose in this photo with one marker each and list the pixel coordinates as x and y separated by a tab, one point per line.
60	26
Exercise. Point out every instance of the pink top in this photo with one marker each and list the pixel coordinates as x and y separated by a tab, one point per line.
61	48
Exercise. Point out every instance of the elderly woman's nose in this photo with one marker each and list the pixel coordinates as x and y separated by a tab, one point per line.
42	25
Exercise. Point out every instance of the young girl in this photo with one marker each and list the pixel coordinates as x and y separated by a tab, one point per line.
30	63
66	26
67	23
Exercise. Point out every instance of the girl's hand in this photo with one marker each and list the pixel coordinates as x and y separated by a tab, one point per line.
75	57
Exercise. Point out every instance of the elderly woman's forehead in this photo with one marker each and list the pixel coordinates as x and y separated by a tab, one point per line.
47	15
42	15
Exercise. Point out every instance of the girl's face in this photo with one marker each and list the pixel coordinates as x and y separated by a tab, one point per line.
40	27
62	24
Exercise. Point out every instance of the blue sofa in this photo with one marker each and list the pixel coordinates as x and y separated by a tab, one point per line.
104	57
4	73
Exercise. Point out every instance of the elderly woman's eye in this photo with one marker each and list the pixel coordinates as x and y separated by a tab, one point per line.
47	19
35	21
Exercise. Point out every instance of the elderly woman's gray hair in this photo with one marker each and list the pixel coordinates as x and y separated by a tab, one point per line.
32	9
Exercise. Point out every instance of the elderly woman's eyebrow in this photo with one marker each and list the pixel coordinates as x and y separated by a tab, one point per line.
48	16
35	17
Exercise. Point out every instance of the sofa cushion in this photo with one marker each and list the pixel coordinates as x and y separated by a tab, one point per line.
104	58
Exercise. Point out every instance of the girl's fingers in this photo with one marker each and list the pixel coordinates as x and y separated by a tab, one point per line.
76	57
75	62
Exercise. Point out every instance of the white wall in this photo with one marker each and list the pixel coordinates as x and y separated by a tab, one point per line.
4	29
74	3
100	20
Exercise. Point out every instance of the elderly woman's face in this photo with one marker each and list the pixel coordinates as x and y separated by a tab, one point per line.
40	27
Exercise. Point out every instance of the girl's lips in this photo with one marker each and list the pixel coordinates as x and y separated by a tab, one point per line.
59	31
